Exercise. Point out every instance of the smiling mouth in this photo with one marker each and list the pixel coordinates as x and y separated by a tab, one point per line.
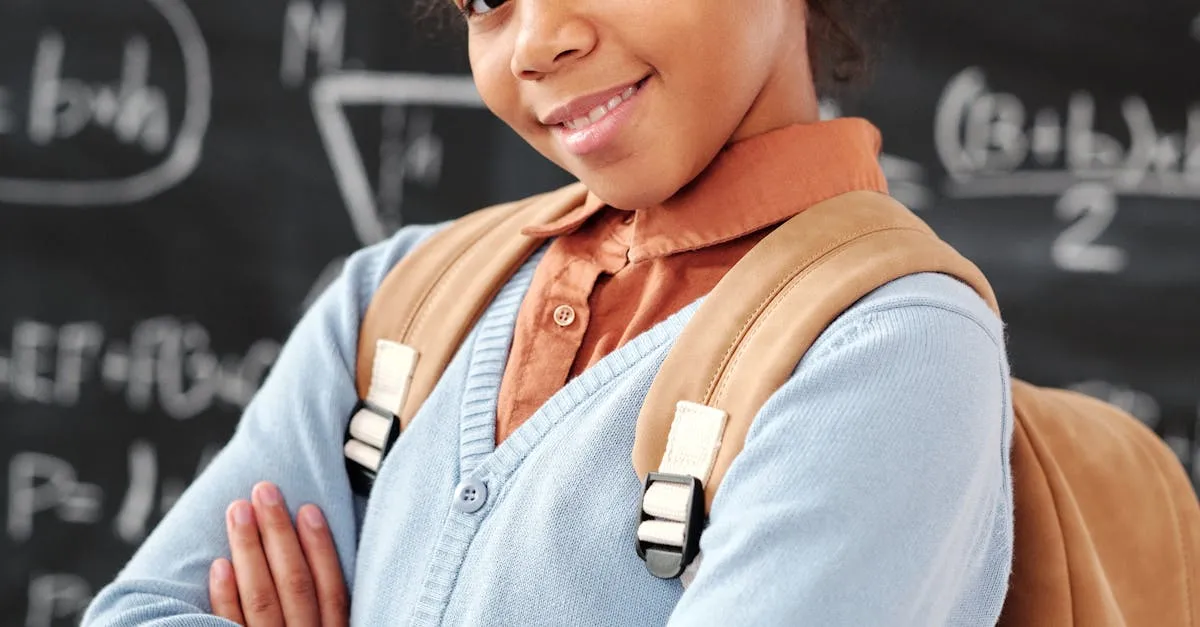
598	113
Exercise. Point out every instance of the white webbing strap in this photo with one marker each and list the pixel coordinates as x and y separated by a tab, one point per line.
692	446
391	377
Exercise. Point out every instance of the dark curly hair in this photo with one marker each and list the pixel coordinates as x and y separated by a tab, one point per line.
843	38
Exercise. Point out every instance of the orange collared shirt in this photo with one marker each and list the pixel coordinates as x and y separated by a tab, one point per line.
611	275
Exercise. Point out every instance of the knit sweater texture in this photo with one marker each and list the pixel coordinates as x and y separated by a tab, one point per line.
874	487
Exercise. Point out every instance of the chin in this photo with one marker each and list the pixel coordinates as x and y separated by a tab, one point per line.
629	192
632	183
629	178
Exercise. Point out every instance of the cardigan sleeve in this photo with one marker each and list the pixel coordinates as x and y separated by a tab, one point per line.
291	434
874	487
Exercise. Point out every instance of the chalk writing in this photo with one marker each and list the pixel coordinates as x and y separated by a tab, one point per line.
408	151
307	29
144	497
44	487
131	109
1091	207
991	146
56	597
420	151
37	483
61	107
139	499
167	363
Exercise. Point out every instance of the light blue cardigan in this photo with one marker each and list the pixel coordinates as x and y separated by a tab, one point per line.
874	487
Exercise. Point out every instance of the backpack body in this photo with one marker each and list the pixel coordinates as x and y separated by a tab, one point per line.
1107	524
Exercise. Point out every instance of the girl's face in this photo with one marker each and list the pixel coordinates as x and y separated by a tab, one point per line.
635	97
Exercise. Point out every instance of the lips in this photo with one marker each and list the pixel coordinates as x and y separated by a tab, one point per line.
580	112
594	130
599	112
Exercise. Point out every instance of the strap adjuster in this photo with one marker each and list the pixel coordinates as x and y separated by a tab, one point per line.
369	436
667	561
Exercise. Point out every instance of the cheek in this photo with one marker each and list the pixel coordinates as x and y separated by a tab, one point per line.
710	55
496	85
500	92
709	87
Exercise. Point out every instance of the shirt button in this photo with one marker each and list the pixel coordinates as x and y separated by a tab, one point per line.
470	496
564	315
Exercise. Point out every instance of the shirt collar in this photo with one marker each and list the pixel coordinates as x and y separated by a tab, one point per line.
750	185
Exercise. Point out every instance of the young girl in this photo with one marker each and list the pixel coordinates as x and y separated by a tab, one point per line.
873	488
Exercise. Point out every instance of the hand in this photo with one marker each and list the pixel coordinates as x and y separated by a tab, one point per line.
278	577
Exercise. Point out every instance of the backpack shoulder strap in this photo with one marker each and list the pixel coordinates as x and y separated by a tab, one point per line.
747	337
426	305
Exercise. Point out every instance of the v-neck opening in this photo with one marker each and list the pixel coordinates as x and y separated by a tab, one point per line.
489	352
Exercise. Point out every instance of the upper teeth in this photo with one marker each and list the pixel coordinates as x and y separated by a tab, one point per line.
595	114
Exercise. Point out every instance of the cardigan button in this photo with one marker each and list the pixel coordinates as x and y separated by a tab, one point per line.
564	315
470	496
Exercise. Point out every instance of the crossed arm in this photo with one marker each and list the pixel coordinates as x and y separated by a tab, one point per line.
288	434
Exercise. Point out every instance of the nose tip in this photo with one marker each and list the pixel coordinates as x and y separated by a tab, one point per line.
534	71
550	37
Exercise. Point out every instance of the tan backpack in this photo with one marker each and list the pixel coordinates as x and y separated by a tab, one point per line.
1107	524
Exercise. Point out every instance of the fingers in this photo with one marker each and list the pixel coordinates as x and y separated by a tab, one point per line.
326	571
256	588
293	581
223	592
279	576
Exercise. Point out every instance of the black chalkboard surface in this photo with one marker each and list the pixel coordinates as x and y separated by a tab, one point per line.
178	178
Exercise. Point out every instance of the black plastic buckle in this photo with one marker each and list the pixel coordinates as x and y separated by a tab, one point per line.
362	479
666	561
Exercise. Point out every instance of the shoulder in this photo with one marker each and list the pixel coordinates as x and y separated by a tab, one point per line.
923	355
886	451
917	309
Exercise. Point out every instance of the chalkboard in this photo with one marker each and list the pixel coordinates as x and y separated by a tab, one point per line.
179	178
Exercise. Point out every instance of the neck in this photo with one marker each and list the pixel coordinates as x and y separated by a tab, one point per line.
788	97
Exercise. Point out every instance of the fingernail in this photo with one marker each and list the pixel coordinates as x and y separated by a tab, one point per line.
268	494
242	515
312	517
222	570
